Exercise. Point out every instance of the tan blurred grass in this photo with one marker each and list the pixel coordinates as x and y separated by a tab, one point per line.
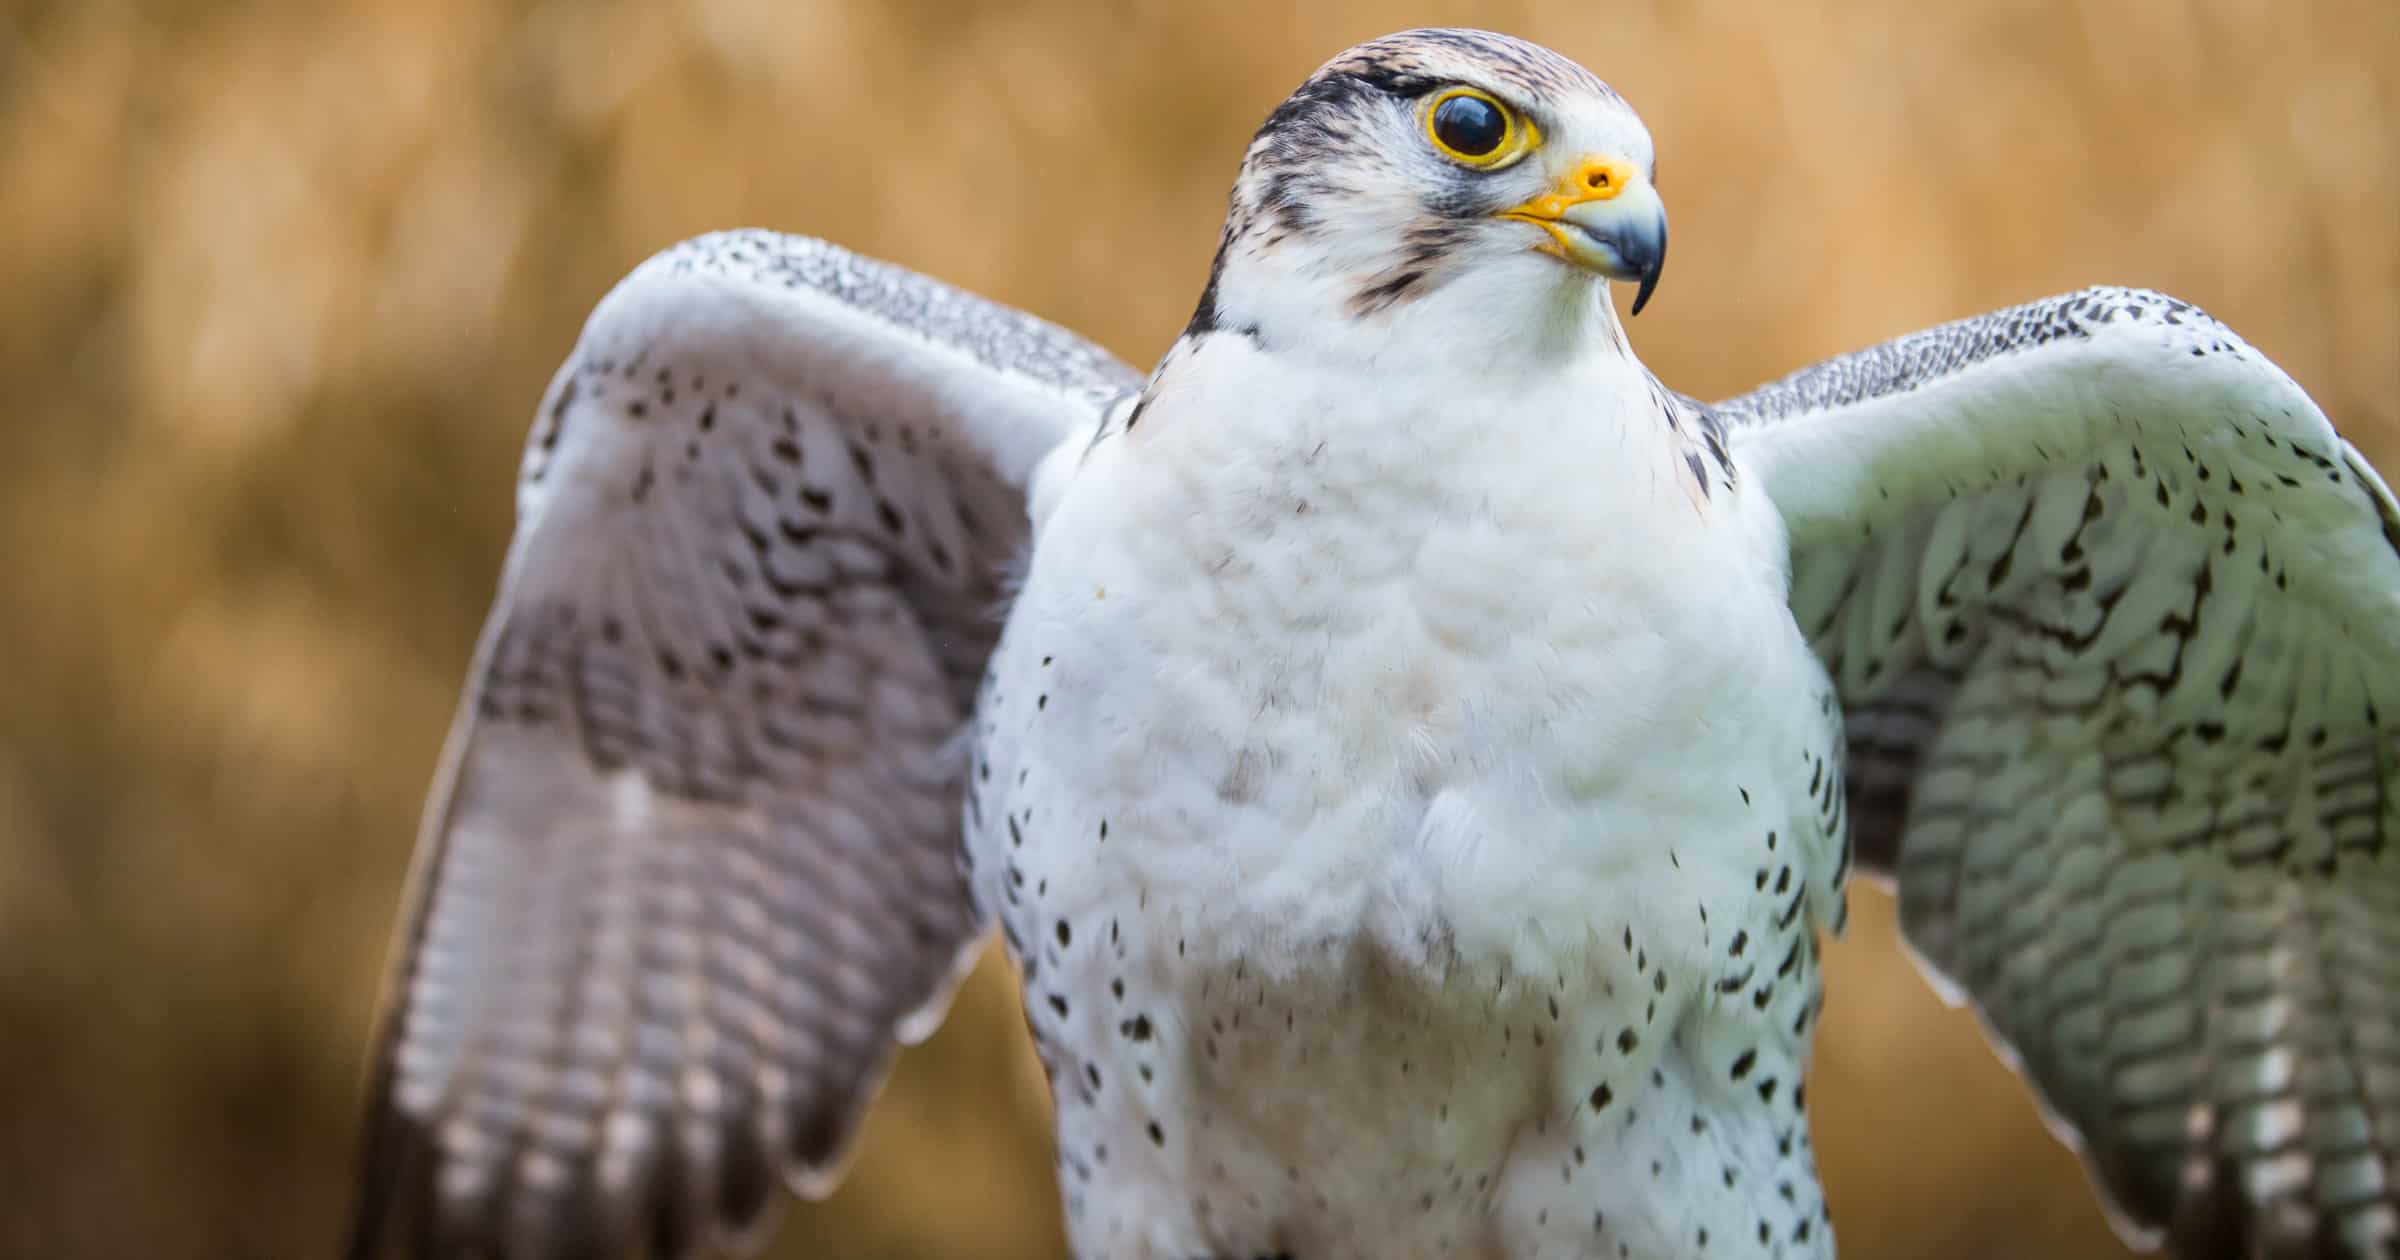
283	283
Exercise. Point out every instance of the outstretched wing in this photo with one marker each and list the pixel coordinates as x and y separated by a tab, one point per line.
2115	618
691	865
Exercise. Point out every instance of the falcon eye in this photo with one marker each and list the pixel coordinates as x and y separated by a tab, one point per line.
1469	126
1473	129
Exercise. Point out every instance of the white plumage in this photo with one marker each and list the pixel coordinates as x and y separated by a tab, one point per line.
1422	752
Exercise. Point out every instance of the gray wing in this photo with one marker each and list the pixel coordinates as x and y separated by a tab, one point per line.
2115	618
691	866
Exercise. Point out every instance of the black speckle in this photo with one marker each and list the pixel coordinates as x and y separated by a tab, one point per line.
1602	1096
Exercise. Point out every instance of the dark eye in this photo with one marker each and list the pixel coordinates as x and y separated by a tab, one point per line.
1469	126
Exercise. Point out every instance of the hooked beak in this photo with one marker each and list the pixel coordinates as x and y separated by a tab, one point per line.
1606	218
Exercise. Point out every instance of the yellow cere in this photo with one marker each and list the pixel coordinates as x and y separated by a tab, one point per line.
1592	179
1521	138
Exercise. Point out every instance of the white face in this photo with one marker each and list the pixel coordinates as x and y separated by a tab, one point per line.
1410	164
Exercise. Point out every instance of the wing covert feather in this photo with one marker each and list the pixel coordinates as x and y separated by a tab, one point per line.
2115	618
691	866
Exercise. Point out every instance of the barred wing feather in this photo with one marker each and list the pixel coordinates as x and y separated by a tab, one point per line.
692	864
2114	615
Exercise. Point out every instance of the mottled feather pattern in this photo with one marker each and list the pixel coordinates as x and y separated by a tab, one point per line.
1315	133
1001	338
1321	151
2118	693
696	866
1935	354
1414	60
1708	458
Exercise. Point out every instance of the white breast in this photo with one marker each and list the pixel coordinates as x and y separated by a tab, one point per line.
1462	685
1334	644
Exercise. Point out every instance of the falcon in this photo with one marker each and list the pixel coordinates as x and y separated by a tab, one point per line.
1421	752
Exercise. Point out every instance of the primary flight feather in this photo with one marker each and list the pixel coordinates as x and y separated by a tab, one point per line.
1422	752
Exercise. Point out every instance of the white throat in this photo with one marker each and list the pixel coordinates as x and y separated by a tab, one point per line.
1523	314
1474	408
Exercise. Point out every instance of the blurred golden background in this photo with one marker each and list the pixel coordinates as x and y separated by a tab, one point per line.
283	282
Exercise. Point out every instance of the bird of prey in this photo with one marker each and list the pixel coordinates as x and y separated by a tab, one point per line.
1421	752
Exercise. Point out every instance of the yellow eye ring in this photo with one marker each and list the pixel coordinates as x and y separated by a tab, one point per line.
1476	129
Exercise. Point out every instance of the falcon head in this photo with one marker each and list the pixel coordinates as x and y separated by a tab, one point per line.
1413	163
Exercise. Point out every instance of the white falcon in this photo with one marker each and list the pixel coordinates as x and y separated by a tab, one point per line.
1422	751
